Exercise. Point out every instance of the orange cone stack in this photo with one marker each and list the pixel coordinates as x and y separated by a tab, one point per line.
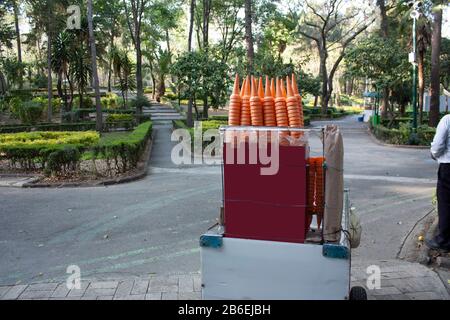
292	108
269	107
315	201
234	112
281	113
245	110
280	107
299	98
319	200
256	110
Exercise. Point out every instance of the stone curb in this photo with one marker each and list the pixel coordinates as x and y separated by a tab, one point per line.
374	139
100	183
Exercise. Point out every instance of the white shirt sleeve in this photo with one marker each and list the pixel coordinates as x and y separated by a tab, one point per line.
439	144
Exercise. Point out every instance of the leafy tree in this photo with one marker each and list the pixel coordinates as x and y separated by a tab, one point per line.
331	27
199	75
387	68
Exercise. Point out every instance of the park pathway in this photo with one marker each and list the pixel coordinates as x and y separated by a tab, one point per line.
162	112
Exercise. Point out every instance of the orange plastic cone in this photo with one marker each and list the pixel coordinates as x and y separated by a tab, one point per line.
245	111
234	112
256	111
280	108
299	98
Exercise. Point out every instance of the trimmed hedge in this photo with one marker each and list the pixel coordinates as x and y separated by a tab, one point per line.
61	152
55	152
402	136
78	126
124	152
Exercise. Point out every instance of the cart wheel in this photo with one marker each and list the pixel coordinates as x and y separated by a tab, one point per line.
358	293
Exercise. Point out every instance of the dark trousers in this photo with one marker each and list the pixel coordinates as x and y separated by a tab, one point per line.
443	198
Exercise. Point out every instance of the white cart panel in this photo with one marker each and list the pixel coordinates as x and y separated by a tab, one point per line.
253	269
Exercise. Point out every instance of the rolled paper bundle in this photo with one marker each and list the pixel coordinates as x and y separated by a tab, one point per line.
234	112
269	107
281	114
245	109
299	98
256	110
292	108
272	88
311	182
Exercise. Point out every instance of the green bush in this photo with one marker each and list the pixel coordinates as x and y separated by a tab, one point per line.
139	102
402	135
114	117
86	103
30	112
4	106
171	96
123	153
43	101
52	151
14	105
79	126
63	159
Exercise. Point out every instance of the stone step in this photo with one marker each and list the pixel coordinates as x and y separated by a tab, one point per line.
156	118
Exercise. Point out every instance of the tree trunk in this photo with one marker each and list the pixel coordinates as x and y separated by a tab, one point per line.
384	21
435	66
249	35
98	105
19	44
206	11
385	103
110	69
324	75
191	24
316	101
189	120
49	71
421	76
139	84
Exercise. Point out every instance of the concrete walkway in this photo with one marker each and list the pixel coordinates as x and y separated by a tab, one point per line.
184	287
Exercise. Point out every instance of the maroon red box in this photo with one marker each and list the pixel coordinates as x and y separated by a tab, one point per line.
266	207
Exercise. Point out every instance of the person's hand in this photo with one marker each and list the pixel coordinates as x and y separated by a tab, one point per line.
432	156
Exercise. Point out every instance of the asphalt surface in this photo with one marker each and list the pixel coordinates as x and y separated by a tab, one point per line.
152	226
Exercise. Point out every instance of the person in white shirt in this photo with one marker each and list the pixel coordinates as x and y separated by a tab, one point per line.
440	151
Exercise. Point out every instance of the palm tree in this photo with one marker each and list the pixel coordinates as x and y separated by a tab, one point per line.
61	55
80	70
423	42
436	40
98	105
124	69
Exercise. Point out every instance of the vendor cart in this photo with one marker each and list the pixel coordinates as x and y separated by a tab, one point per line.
265	246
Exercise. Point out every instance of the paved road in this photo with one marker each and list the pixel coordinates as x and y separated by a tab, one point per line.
151	227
